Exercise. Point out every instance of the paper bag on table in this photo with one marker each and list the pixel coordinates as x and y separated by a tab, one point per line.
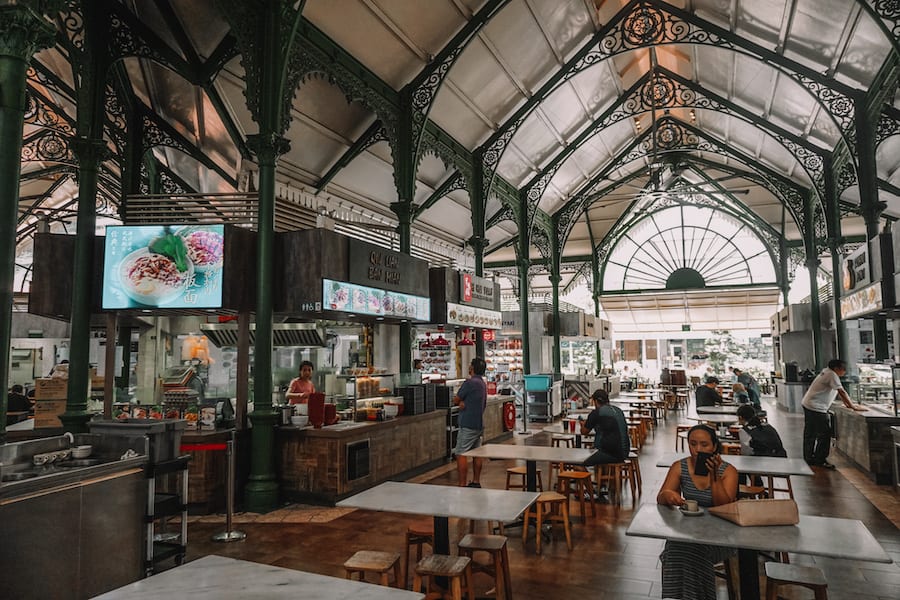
768	511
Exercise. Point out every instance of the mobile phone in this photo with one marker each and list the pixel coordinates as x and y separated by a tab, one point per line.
700	467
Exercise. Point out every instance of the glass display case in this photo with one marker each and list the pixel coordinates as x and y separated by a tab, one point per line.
878	387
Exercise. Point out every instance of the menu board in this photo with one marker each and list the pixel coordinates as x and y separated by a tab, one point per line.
862	301
469	316
163	266
352	298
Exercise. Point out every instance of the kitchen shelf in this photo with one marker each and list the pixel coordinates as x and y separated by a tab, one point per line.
162	504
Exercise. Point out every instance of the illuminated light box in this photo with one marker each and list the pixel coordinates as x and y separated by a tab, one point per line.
163	266
352	298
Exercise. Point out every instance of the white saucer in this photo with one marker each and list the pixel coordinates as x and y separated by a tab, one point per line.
691	513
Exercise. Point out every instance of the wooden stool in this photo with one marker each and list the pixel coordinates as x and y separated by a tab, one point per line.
562	439
582	485
787	482
523	471
370	561
755	492
636	471
454	568
549	501
495	545
778	574
417	533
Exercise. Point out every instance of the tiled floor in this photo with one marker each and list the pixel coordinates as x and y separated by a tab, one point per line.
604	563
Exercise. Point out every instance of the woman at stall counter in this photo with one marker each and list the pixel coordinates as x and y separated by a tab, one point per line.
302	386
687	569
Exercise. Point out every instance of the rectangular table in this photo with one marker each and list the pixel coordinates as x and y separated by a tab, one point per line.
443	502
818	536
718	410
767	466
531	454
221	578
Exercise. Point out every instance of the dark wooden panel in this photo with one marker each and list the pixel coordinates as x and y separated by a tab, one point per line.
239	269
51	283
302	260
377	267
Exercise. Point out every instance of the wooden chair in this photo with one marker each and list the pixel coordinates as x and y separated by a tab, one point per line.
546	507
496	546
615	475
779	574
371	561
455	568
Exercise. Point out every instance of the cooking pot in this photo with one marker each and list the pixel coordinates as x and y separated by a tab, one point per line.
287	412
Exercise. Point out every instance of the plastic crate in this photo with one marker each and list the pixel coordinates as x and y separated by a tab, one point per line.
538	383
164	434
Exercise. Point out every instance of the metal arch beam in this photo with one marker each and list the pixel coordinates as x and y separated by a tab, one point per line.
181	143
887	16
374	134
455	181
537	184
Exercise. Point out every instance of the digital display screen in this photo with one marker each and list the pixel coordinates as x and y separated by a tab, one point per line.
163	266
352	298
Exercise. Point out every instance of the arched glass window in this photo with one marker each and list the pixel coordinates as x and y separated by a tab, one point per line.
687	247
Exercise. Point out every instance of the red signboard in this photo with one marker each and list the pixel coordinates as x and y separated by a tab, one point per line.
487	335
467	287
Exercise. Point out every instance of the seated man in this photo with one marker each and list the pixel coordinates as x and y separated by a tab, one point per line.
611	442
706	394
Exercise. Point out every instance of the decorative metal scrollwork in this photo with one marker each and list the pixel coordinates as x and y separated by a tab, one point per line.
48	146
541	241
846	177
887	126
493	153
73	23
41	114
888	10
153	135
443	151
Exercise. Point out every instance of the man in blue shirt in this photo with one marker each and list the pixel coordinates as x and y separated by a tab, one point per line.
611	441
471	400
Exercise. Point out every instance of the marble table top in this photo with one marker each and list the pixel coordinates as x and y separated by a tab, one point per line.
754	465
714	418
721	410
221	578
535	453
443	501
819	536
635	400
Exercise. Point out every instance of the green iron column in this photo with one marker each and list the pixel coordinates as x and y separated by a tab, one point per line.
555	279
261	492
403	210
870	206
90	153
23	31
523	264
833	218
812	264
479	243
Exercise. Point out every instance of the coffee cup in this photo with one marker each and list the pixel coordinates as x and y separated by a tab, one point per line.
691	506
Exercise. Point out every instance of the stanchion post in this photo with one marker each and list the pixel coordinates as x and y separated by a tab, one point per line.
229	535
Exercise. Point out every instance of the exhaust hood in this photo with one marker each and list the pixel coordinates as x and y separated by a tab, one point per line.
283	334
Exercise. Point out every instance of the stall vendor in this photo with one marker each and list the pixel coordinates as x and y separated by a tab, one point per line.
301	387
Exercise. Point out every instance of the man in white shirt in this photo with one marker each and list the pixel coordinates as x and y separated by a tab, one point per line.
816	403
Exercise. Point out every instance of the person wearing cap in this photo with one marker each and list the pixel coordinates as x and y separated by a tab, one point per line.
707	394
611	442
752	386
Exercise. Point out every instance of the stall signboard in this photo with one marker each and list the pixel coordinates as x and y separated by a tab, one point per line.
856	270
163	266
351	298
478	291
378	267
469	316
861	302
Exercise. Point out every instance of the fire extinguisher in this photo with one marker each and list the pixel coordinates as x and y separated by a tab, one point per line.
509	416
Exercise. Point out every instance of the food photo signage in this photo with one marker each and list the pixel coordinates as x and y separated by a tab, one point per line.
378	267
348	297
862	301
469	316
163	266
477	291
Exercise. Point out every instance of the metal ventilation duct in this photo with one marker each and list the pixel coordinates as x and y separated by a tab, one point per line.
283	334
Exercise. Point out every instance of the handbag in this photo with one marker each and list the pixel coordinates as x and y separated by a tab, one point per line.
768	511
